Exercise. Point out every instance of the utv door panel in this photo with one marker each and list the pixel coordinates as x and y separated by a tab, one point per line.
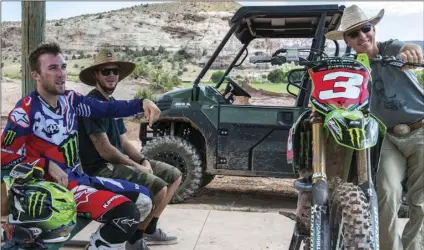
270	154
254	138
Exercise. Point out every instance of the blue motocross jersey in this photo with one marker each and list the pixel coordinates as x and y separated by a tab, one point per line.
37	132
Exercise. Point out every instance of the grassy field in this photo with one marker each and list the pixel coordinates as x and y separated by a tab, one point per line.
11	70
276	88
75	66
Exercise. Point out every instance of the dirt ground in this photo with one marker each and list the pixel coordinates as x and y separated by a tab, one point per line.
224	192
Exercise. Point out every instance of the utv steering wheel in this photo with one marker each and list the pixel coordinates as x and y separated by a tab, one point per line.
235	89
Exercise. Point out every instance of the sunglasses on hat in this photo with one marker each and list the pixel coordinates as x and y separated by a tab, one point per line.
365	29
106	72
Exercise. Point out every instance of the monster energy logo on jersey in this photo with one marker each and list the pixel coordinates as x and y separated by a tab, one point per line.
9	138
34	199
355	135
70	150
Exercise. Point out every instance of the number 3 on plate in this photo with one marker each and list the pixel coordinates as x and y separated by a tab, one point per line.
351	89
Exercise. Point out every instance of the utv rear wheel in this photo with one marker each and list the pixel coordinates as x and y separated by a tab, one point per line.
181	154
350	219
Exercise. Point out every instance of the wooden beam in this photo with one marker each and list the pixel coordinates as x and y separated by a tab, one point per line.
33	27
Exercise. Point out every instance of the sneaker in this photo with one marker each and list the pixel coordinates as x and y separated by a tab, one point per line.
160	238
98	243
138	245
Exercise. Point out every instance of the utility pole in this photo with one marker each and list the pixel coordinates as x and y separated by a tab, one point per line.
33	27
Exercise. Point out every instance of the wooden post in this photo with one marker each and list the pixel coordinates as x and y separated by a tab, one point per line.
33	27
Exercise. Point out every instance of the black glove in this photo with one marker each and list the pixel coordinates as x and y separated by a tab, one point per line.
17	237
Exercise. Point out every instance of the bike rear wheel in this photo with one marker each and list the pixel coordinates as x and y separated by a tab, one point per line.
350	219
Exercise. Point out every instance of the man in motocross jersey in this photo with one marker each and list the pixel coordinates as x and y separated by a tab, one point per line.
105	149
397	99
42	130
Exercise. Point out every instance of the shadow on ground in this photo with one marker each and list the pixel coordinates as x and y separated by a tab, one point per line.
250	194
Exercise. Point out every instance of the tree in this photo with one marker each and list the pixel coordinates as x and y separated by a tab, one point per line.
216	76
161	50
277	76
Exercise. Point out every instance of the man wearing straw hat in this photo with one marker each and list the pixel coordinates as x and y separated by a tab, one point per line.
106	151
397	99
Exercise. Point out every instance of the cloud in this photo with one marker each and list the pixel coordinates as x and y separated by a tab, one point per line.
390	8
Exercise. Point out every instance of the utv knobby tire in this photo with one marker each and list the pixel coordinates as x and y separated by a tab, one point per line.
350	205
161	148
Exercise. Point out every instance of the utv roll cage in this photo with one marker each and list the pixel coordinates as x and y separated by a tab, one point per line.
301	21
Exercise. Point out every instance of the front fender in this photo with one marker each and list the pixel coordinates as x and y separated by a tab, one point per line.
354	130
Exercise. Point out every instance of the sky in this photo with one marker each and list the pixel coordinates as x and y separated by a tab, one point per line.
403	20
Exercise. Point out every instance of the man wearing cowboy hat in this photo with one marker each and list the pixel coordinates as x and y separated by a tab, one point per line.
397	99
106	151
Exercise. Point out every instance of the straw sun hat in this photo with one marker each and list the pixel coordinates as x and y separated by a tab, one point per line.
353	17
104	57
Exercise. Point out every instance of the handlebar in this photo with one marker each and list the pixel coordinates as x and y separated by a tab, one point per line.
293	56
394	61
384	61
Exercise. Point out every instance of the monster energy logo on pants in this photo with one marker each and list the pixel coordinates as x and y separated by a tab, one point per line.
70	150
34	199
356	133
9	138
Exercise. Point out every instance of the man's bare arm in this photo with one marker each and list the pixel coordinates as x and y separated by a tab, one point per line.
108	152
130	150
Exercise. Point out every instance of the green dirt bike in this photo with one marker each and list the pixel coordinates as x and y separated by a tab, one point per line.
335	148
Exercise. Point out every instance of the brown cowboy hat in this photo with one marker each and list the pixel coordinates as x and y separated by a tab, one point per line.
104	57
353	18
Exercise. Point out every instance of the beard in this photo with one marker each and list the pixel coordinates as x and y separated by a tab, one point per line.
52	88
106	89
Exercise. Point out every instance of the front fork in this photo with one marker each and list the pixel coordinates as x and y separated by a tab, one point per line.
365	182
320	230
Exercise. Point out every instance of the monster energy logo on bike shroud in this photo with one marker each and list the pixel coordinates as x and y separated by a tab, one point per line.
9	138
355	133
70	150
34	199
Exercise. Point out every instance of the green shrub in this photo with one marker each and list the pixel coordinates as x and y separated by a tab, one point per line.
277	76
145	93
420	76
161	50
141	69
216	76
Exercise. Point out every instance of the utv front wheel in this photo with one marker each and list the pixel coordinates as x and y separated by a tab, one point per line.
181	154
350	219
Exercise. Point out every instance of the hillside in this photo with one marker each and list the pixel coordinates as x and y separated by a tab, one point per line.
195	26
172	25
192	28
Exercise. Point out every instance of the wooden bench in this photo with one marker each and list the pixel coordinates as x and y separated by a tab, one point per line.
81	224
